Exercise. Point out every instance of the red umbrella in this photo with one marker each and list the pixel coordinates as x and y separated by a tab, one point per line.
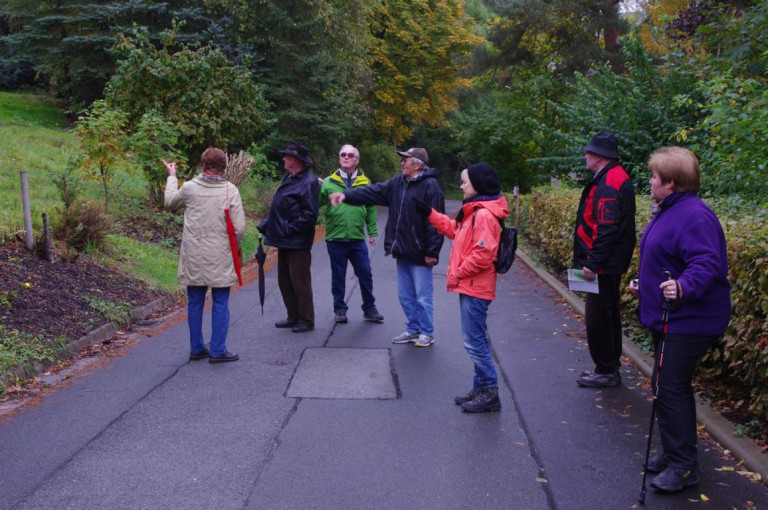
233	245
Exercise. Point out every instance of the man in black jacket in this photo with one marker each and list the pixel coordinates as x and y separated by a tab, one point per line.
290	227
603	243
409	238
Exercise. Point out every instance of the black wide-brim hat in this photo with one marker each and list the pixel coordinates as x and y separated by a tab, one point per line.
298	151
604	144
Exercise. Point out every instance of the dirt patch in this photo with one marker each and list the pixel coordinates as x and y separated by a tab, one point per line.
59	299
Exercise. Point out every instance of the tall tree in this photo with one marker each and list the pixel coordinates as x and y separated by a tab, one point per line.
417	51
564	36
70	40
316	67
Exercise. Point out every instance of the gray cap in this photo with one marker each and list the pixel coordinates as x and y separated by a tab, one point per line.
415	152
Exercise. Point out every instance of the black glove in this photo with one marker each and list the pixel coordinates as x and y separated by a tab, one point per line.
421	207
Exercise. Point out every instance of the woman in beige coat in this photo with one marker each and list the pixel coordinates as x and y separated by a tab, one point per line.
205	259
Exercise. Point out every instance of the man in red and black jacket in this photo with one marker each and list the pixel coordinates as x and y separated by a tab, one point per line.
603	244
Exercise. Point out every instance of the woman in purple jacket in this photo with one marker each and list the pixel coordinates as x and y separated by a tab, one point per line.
685	239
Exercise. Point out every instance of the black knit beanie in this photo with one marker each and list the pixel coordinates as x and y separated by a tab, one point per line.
484	179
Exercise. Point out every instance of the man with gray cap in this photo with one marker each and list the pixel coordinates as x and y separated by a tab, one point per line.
603	243
409	238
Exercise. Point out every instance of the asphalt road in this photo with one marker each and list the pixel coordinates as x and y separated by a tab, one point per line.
340	418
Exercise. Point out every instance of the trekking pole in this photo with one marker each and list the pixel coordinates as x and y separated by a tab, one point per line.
665	306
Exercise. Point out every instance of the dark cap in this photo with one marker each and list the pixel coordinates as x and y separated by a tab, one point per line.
604	144
415	152
484	179
298	151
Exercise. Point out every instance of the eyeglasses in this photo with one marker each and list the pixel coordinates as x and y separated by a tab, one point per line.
349	155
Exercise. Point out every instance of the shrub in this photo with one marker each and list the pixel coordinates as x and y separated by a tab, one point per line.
87	229
196	92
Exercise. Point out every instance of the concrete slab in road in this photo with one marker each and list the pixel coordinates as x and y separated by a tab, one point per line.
343	373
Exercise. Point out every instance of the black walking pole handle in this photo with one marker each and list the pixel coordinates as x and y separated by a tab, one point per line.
665	304
670	305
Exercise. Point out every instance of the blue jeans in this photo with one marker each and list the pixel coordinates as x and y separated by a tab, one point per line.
474	334
219	324
357	254
414	288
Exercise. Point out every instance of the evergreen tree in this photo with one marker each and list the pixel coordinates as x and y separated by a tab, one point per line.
70	41
563	36
315	68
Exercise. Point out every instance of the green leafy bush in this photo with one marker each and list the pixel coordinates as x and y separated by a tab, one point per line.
201	97
742	357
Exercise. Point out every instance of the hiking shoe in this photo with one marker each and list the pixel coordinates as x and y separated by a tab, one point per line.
302	327
200	355
405	338
424	341
465	398
487	399
373	315
227	356
593	380
340	317
657	463
675	479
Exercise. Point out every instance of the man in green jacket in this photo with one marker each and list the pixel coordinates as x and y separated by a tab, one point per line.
345	236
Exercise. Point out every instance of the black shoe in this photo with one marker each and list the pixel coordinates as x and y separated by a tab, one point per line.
593	380
487	399
340	317
285	324
674	479
465	398
373	315
200	355
302	327
657	463
227	356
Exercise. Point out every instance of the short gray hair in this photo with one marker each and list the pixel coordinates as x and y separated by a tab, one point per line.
419	162
357	152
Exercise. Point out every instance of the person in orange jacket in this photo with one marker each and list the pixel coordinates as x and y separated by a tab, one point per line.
471	273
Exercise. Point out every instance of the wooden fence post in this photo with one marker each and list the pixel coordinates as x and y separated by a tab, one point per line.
27	211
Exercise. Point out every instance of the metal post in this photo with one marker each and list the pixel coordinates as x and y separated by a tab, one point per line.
517	207
27	211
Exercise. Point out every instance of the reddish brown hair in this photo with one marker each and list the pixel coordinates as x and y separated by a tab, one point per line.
214	159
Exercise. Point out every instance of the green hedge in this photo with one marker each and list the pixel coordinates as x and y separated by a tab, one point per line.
739	363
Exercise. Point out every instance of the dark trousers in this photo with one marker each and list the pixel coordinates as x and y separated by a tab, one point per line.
295	281
356	253
603	320
675	405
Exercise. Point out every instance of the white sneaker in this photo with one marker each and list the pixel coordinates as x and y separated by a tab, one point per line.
424	341
405	338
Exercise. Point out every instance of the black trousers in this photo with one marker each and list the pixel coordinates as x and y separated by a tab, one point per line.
603	320
675	405
294	279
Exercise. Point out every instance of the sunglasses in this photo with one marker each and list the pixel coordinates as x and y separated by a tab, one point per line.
349	155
